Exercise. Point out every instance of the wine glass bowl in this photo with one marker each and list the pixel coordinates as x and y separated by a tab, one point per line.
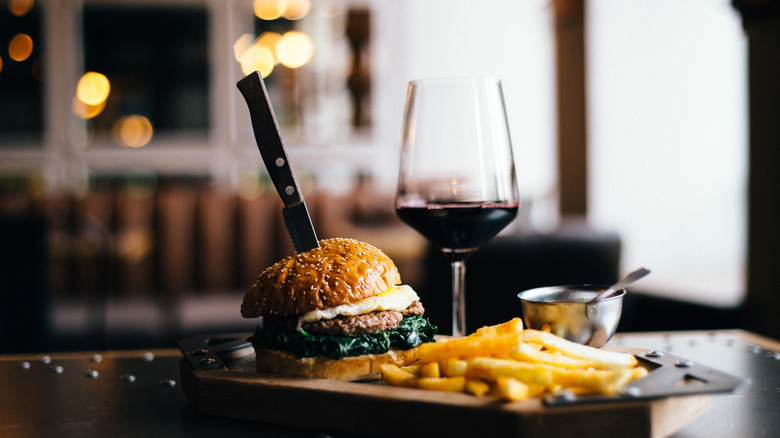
456	184
458	228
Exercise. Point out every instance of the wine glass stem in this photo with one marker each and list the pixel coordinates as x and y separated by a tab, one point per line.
458	298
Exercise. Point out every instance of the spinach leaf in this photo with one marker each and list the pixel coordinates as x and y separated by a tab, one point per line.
411	332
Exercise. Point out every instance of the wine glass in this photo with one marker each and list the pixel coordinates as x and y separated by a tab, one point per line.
457	184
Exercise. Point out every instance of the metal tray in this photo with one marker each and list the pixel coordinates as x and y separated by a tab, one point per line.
669	375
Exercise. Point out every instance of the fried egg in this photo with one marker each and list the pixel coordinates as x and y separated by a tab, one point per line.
395	298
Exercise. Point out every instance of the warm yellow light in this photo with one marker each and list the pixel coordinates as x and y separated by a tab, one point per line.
269	40
1	64
294	49
296	9
20	7
250	186
93	88
20	47
257	58
86	111
242	44
133	131
268	9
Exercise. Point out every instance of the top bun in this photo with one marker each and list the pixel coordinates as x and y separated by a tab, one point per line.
339	271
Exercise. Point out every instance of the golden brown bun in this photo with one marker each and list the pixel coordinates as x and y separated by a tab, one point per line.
365	367
340	271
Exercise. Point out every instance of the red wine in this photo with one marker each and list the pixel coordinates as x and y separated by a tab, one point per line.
458	228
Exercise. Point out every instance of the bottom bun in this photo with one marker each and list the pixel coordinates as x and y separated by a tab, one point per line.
365	367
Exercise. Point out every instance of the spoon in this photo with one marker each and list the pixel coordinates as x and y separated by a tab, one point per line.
625	281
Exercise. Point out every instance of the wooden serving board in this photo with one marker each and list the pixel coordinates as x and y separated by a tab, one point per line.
233	389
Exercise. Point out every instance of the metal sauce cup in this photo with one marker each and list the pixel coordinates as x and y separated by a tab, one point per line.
564	310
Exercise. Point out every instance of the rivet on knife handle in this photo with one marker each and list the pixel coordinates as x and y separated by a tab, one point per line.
271	146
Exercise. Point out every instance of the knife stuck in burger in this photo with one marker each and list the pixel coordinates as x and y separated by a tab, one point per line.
336	308
337	311
277	163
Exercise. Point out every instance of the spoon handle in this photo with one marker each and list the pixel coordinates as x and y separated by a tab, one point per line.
630	278
625	281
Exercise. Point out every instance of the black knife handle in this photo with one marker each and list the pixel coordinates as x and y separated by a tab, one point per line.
269	139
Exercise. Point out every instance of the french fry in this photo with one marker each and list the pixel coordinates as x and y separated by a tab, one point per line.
413	369
528	353
594	381
430	369
395	376
638	373
469	346
453	367
600	358
450	384
514	325
477	387
513	363
512	389
490	368
536	346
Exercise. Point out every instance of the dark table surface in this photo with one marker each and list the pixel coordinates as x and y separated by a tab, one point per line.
138	393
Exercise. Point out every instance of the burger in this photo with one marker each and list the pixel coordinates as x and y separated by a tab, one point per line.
338	311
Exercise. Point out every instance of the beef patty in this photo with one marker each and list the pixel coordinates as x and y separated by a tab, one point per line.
366	323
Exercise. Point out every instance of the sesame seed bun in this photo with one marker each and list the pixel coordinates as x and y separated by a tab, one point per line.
339	272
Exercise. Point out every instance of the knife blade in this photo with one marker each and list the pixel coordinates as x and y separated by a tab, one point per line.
271	145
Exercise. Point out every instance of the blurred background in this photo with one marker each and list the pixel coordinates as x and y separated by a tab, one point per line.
135	209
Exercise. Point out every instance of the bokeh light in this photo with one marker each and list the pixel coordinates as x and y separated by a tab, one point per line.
257	54
20	47
93	88
296	9
250	185
257	58
242	44
86	111
294	49
133	131
268	9
275	9
269	41
1	64
20	7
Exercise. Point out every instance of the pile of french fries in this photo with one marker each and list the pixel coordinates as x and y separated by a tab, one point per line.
513	363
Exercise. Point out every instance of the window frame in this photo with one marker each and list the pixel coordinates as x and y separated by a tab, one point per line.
226	152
